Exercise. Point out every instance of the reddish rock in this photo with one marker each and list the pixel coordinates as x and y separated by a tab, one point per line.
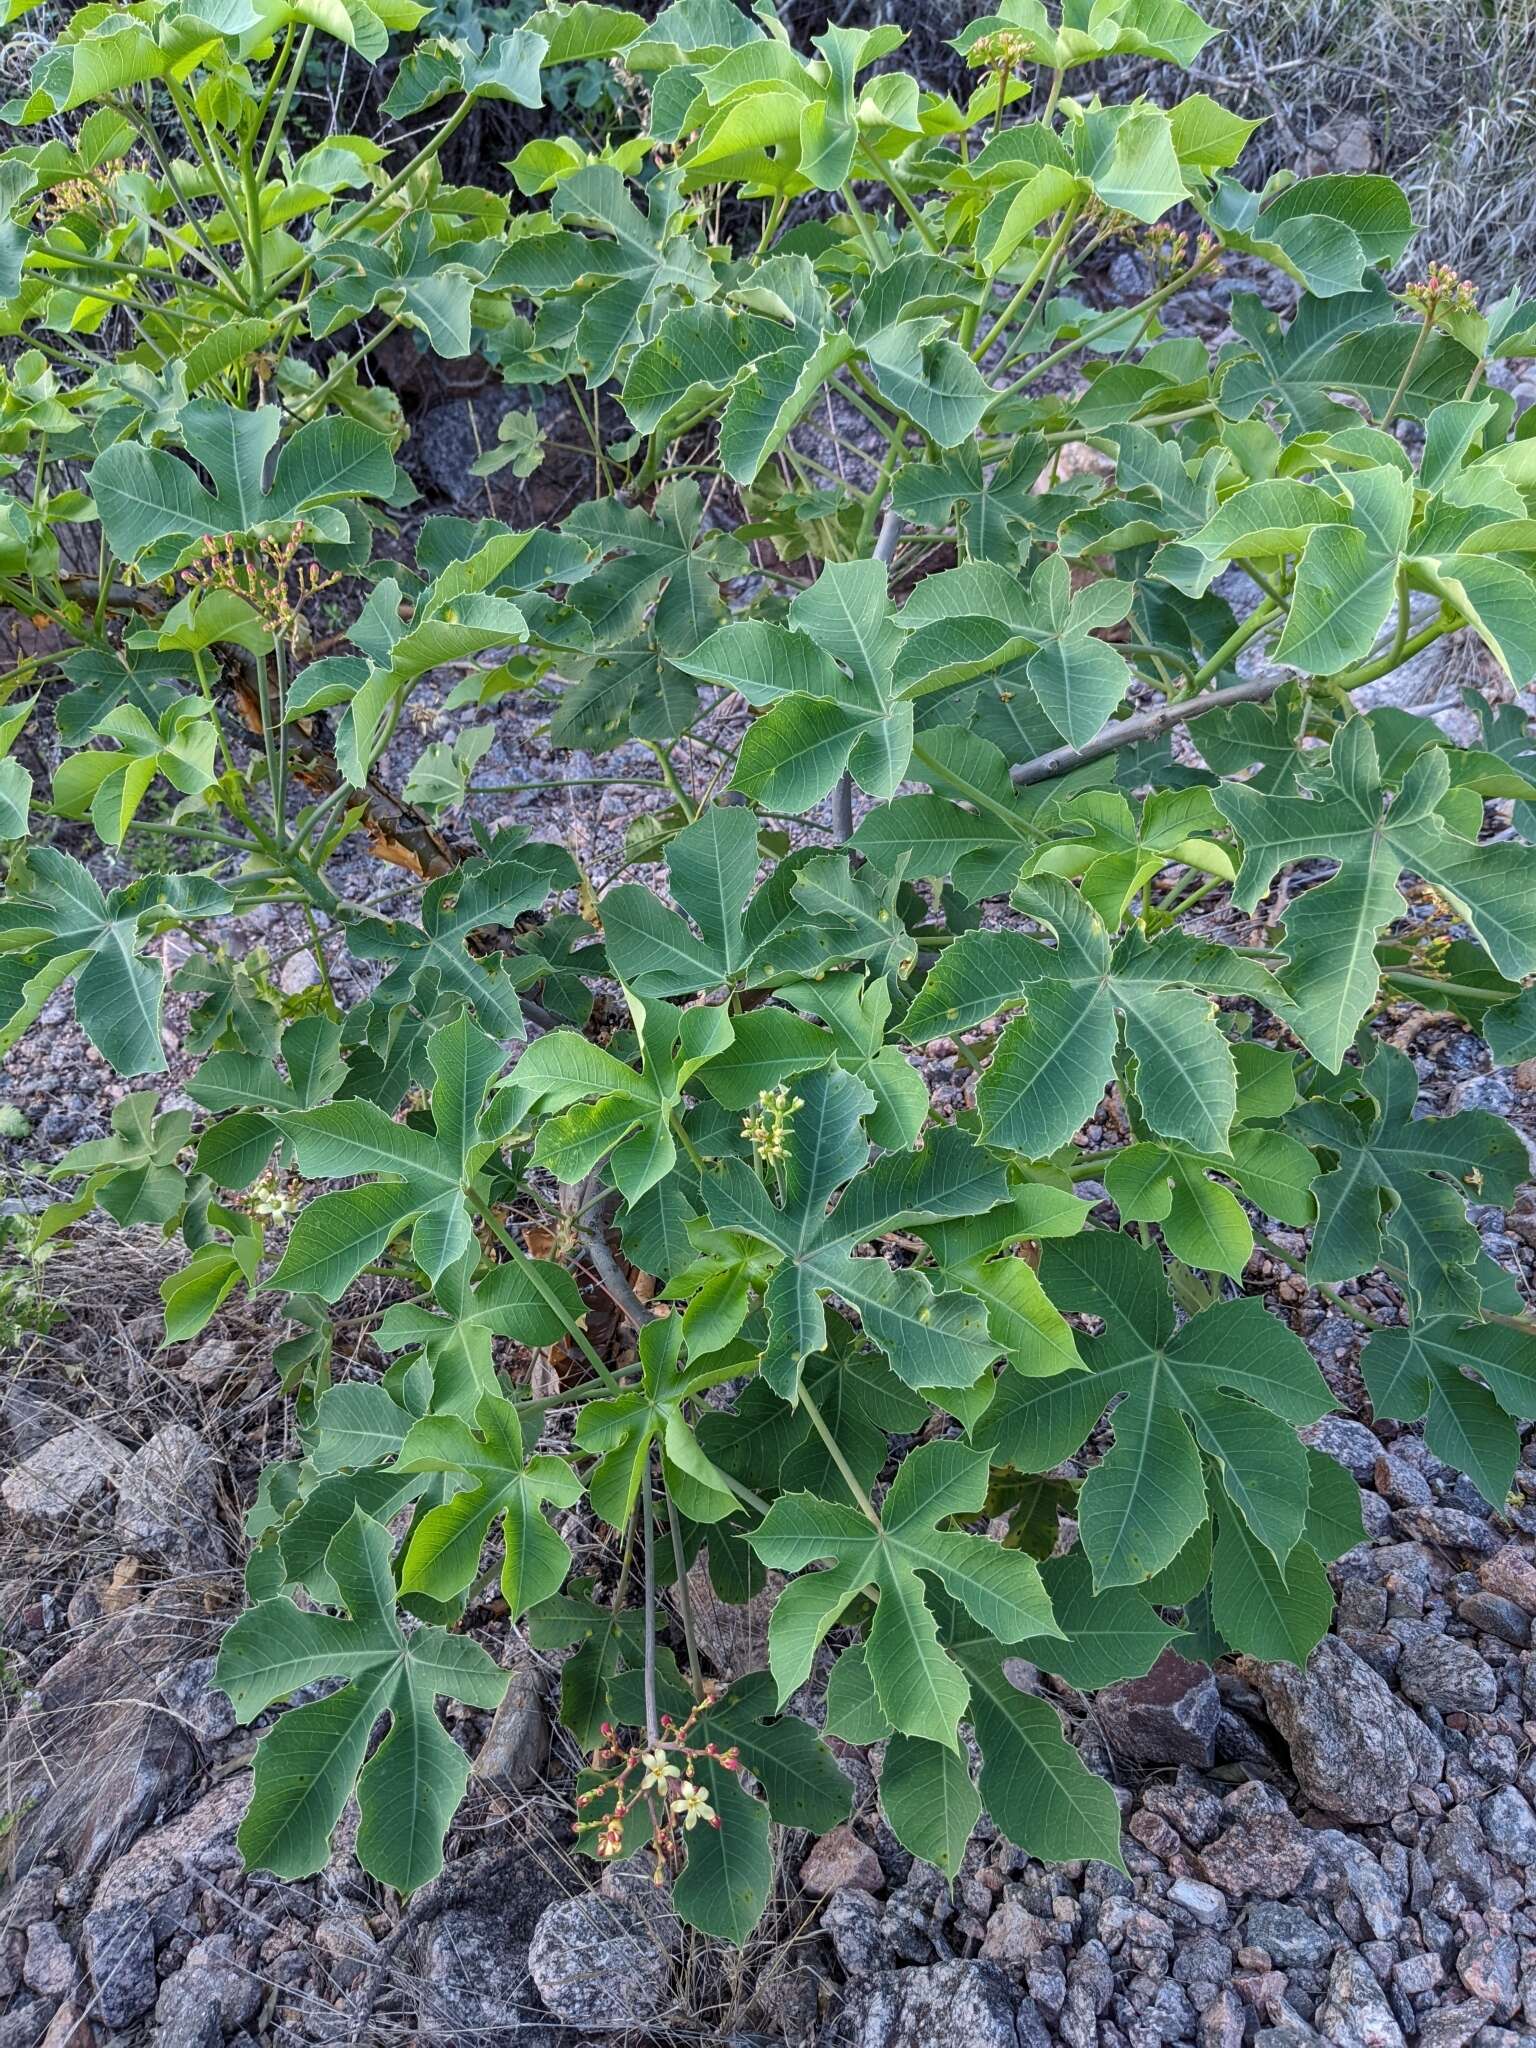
838	1860
1168	1717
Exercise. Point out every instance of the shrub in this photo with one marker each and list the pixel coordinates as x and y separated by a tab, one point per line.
909	1142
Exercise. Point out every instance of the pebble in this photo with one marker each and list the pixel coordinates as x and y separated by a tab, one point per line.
841	1860
1203	1902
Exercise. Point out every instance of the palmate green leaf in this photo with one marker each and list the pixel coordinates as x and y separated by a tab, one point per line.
1330	931
1396	1186
308	1765
630	1121
920	1689
1106	1635
1473	1424
531	1301
931	1340
974	827
155	509
1202	1221
1232	1384
1051	1065
55	923
485	893
624	1429
234	1151
422	1181
133	1173
503	1482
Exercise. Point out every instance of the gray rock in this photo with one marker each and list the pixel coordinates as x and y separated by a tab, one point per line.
477	1982
215	1967
446	440
1168	1717
1203	1902
1292	1937
1510	1825
1349	1444
198	1845
48	1967
1448	1528
187	2014
66	1475
851	1922
119	1949
604	1963
1355	2012
167	1502
948	2002
1492	1615
24	2024
1444	1672
1354	1748
516	1749
1453	2025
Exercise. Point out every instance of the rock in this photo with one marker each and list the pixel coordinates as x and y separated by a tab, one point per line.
1349	1444
299	972
1346	143
1015	1936
214	1361
1354	1748
1510	1826
1492	1615
1453	2026
604	1963
23	2025
1168	1717
840	1861
1511	1574
1444	1672
516	1749
953	2002
68	1474
215	1968
1355	2012
1203	1902
1265	1855
119	1949
1222	2022
1489	1966
187	2014
1291	1937
477	1982
49	1965
851	1922
167	1502
446	440
200	1845
1447	1528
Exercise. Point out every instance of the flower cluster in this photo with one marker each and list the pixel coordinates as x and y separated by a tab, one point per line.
1002	49
767	1131
266	573
676	1802
1439	291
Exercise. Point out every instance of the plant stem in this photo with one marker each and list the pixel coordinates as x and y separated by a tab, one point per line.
835	1453
1409	367
684	1603
648	1510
